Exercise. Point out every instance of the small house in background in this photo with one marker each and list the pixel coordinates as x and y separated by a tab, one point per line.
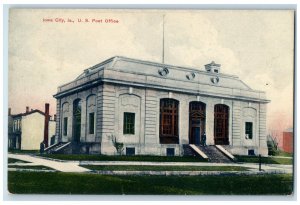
27	130
288	136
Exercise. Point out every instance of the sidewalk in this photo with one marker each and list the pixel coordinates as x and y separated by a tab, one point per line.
60	166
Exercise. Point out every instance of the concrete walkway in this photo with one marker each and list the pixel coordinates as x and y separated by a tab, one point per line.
60	166
74	166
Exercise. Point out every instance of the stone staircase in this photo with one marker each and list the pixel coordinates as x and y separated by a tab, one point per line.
213	154
57	148
188	151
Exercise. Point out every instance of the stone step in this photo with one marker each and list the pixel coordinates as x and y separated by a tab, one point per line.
214	154
57	147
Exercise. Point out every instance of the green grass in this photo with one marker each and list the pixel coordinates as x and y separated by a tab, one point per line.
163	168
17	151
31	167
13	160
283	154
145	158
75	183
265	160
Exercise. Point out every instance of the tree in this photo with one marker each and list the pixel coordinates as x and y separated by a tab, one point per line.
272	144
118	145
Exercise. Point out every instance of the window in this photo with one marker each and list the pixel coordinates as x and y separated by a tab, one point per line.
91	123
130	151
216	71
76	120
168	131
65	126
248	130
15	125
128	126
251	152
170	152
221	124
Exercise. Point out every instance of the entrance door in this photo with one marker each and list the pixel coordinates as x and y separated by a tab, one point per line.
196	122
76	120
221	124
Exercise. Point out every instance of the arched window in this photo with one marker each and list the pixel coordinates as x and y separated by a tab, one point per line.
168	132
221	124
76	120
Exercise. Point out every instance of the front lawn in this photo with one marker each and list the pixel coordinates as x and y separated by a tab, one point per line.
163	168
283	154
13	160
264	160
145	158
17	151
75	183
39	167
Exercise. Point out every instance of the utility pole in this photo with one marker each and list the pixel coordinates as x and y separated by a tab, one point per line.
259	162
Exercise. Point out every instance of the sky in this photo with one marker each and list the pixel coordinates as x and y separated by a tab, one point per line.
256	45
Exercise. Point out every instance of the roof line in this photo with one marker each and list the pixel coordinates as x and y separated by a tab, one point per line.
28	113
168	65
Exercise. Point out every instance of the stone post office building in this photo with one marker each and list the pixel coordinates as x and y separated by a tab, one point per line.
155	109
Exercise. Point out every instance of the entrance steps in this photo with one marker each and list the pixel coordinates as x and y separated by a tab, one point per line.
212	153
57	148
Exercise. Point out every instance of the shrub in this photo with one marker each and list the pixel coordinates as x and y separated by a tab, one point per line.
118	145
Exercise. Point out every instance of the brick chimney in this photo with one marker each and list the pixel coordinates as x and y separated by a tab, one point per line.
46	127
9	111
27	109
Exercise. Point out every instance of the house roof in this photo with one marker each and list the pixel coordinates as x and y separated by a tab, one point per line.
28	113
141	73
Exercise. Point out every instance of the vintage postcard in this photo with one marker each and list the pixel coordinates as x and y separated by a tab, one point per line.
150	102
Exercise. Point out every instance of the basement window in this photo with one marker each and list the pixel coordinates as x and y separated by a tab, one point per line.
130	151
251	152
170	151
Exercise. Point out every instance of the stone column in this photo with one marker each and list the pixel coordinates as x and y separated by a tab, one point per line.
58	120
210	123
183	122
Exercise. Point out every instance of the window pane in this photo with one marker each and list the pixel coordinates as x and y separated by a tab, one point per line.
91	123
248	130
169	121
128	123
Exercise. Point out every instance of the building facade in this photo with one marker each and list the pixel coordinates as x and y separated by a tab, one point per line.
155	109
26	130
288	140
